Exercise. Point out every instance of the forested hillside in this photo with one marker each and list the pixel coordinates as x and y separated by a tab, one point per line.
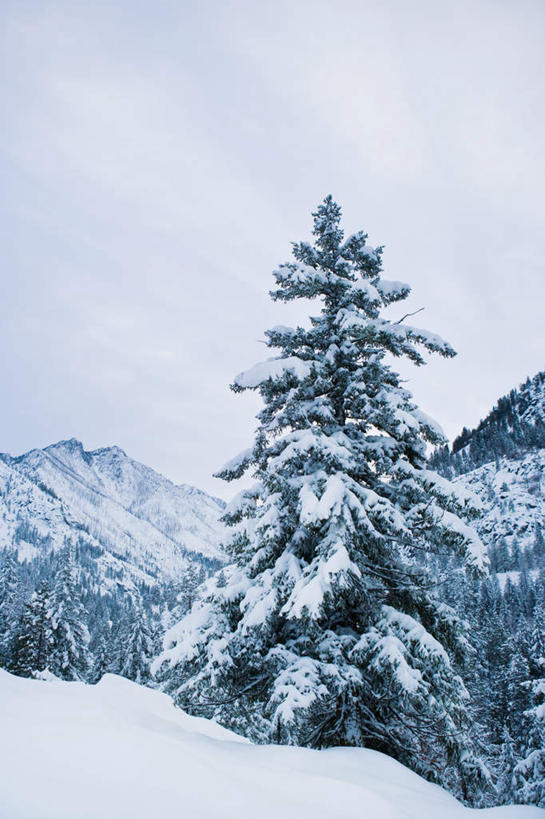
97	551
515	426
502	461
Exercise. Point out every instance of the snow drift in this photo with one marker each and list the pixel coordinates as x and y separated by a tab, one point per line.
118	750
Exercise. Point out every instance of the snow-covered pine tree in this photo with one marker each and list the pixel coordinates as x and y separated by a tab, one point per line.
71	657
513	678
184	593
11	605
505	786
138	646
35	640
326	629
539	545
529	773
537	642
102	660
484	676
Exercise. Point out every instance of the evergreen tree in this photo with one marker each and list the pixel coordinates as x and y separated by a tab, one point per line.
503	557
517	696
513	604
505	786
102	659
138	646
71	658
536	649
35	639
10	605
488	684
530	771
327	629
527	594
539	546
190	581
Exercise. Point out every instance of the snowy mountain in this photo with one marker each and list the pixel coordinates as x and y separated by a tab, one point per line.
512	493
502	461
136	524
119	750
514	427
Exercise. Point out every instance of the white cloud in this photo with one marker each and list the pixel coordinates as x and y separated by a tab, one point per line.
159	158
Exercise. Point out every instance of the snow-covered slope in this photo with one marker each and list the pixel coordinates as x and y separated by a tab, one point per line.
118	751
512	492
143	525
502	460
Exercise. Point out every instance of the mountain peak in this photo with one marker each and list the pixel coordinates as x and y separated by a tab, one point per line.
113	450
71	444
137	523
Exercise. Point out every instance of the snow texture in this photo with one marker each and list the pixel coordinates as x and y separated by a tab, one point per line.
512	493
117	750
273	368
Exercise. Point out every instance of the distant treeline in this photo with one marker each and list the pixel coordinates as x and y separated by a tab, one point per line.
515	426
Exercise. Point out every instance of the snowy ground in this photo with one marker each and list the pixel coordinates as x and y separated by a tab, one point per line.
117	750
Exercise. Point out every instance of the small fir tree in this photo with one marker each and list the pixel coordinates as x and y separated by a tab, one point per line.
505	787
34	648
11	605
536	649
102	658
539	545
529	773
515	676
71	658
138	646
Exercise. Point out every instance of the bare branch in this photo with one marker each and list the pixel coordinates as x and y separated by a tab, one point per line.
408	314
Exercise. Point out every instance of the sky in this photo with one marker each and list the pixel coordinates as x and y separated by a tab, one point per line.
157	159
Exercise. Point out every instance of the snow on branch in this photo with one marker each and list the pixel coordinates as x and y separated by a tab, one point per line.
274	368
236	467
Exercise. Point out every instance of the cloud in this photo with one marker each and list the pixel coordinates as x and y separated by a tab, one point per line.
159	158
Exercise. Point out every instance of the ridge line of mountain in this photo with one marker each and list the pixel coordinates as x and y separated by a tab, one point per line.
11	459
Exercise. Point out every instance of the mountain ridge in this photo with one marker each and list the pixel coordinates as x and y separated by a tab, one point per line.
502	461
513	427
136	516
75	443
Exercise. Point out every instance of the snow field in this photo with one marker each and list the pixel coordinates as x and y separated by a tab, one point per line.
118	750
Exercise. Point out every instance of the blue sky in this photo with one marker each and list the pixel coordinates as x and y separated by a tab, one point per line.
158	158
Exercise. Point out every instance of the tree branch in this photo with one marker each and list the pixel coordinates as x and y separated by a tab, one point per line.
407	315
